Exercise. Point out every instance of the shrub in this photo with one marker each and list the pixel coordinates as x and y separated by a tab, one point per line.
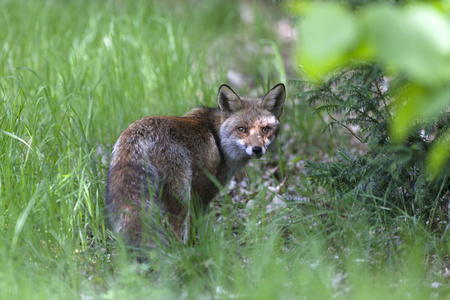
359	98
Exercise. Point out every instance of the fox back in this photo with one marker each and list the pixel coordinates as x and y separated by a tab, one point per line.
161	165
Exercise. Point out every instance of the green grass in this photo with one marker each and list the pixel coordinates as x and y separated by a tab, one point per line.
75	74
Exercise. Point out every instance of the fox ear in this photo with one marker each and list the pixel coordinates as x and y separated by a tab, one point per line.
273	101
228	100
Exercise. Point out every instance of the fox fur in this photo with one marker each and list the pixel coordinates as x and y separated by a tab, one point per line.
160	163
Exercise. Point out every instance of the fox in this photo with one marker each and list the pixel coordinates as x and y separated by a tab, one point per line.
164	166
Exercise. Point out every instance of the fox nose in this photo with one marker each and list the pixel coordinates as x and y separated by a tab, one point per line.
257	150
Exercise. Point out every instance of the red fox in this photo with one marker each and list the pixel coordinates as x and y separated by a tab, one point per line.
161	164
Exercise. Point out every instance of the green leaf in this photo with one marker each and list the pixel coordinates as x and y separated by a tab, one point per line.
326	35
439	155
415	40
421	104
435	104
433	26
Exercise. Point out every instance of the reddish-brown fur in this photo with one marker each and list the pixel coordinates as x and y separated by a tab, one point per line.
160	162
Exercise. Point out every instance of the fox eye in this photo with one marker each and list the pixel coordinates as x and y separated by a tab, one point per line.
242	130
265	129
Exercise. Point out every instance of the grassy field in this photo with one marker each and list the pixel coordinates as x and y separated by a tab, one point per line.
75	74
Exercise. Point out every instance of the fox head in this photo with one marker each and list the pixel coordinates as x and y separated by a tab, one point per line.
249	126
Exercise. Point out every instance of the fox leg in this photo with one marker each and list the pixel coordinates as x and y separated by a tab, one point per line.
177	217
175	198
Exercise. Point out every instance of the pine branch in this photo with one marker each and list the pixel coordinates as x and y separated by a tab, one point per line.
343	125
